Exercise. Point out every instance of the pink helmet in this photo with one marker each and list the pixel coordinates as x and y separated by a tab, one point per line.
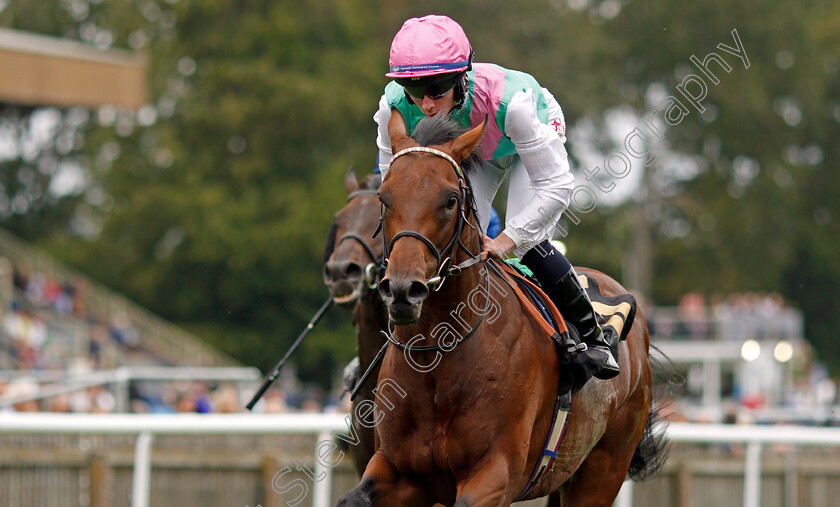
428	46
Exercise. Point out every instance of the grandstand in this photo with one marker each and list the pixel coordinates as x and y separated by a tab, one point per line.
76	310
63	333
745	359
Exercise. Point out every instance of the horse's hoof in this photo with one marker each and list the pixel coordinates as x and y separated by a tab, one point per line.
350	500
355	498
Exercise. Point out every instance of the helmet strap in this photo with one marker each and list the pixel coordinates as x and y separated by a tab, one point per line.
461	88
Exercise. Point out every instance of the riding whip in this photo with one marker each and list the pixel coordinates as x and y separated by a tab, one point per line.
276	371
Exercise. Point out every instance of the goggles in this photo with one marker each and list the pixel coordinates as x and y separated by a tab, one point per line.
434	90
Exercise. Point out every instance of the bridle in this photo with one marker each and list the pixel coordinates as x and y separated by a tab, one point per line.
373	270
445	256
444	261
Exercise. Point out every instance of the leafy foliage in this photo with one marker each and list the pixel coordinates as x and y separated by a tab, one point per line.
211	204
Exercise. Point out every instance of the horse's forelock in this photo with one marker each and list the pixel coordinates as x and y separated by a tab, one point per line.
440	129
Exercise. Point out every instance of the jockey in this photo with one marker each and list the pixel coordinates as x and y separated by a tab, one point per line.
431	64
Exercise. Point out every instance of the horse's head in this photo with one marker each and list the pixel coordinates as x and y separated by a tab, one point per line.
425	205
351	269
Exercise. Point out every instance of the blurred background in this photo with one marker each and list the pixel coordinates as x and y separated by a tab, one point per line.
169	170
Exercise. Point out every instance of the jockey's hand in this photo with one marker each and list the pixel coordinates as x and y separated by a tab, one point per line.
498	248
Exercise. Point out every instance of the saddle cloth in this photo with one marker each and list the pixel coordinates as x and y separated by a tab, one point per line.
615	313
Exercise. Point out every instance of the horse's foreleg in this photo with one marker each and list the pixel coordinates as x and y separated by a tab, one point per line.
382	485
487	486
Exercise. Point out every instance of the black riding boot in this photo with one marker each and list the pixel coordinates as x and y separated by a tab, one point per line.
573	302
559	281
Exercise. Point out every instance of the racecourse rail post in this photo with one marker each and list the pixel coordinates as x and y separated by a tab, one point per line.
752	475
322	494
142	476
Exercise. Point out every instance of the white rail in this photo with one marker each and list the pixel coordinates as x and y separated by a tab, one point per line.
147	426
63	383
754	436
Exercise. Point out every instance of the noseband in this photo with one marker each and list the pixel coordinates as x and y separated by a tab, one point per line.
444	260
374	269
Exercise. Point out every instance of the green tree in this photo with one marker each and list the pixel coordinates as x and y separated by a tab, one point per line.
210	206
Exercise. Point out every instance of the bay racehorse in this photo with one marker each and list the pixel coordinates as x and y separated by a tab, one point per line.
473	408
351	272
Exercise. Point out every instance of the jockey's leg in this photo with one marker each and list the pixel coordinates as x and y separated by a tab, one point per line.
558	280
561	284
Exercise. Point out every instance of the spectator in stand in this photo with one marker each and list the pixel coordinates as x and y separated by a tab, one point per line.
186	403
59	404
80	298
226	399
27	334
22	388
203	403
123	332
693	314
20	276
102	401
275	402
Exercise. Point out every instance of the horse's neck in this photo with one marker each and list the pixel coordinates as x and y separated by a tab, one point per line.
371	319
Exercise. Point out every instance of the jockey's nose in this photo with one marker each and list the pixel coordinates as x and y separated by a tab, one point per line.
402	292
342	270
428	105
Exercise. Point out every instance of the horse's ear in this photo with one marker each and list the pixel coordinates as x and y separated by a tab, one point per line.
398	131
351	183
466	143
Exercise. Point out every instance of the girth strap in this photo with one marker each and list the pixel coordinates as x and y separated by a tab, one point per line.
545	463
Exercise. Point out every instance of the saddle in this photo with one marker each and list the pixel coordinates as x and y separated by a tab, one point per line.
615	314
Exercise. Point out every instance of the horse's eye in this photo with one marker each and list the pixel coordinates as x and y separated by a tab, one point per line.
453	201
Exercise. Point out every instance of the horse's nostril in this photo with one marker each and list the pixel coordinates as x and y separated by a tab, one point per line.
417	292
385	290
353	271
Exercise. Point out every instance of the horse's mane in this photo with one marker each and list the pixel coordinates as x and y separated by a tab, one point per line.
440	129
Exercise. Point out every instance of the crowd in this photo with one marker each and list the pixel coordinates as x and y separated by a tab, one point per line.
169	397
736	317
40	312
47	322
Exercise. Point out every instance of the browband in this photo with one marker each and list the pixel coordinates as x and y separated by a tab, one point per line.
424	149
